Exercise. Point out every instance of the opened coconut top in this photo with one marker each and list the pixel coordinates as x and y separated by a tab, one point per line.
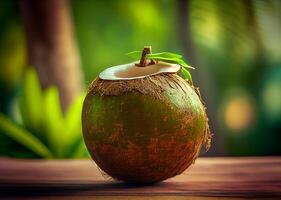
148	65
133	71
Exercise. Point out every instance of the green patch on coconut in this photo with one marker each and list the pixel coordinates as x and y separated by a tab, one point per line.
142	122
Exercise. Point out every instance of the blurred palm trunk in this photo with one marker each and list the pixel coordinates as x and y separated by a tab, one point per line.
201	77
52	47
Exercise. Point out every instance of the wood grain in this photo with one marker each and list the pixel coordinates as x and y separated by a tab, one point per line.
209	177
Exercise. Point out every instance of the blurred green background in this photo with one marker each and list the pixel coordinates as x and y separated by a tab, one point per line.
234	45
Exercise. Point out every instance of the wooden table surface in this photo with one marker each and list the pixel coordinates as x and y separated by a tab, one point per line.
208	178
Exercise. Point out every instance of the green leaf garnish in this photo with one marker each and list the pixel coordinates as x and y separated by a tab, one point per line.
186	74
137	55
134	54
166	57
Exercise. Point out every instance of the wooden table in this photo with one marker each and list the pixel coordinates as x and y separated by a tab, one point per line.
209	178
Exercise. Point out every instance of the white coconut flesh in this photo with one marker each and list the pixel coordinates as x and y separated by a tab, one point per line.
131	71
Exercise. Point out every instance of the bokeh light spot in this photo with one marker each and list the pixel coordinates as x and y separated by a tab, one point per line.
239	113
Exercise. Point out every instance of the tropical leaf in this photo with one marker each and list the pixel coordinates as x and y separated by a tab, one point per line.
170	60
77	149
134	54
167	55
31	103
72	123
81	151
53	120
186	74
137	54
23	137
164	56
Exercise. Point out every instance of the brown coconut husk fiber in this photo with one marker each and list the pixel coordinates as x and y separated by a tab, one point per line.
153	86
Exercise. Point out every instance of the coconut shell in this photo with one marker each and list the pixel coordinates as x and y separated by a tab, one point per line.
144	130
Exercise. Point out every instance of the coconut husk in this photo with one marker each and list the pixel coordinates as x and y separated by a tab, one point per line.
153	86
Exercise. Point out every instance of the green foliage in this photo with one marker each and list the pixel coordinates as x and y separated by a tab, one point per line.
23	137
31	103
186	74
166	57
53	121
46	131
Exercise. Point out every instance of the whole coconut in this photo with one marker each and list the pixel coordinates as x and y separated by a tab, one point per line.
146	128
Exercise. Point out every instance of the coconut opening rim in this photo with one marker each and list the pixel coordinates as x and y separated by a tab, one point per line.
130	71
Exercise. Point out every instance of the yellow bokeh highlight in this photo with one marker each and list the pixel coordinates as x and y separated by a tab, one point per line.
239	113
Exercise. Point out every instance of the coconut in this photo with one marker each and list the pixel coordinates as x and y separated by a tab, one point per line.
144	124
